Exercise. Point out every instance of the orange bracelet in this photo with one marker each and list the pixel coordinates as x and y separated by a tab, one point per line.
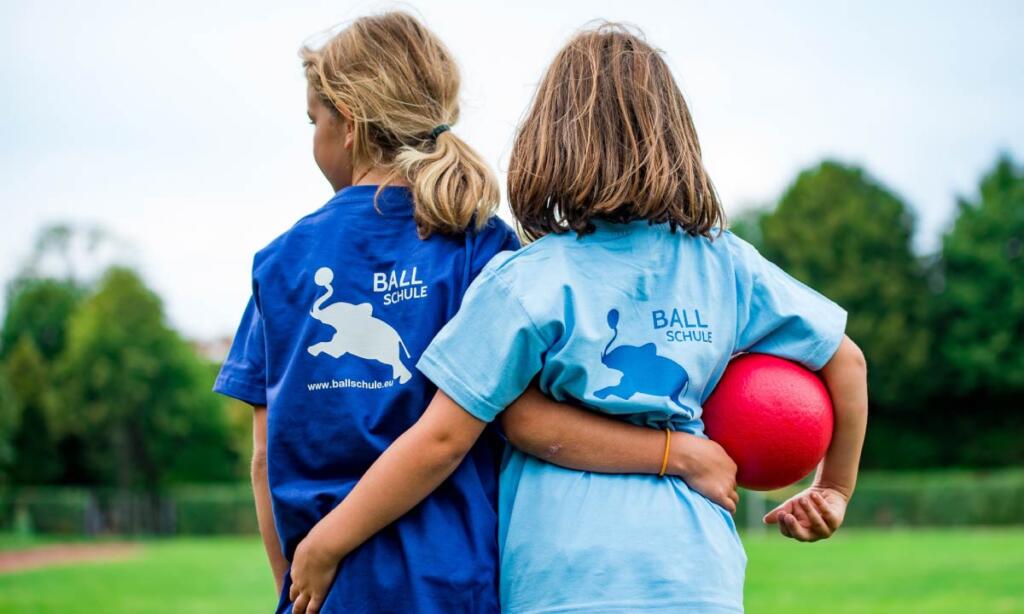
664	459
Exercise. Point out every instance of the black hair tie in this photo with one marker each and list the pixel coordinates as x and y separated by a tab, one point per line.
436	132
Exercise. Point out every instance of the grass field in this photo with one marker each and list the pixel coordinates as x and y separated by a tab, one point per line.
857	571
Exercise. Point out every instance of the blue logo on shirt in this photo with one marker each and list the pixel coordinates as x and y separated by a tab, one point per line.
642	370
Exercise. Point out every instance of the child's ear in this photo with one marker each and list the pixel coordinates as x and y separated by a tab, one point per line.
348	125
350	134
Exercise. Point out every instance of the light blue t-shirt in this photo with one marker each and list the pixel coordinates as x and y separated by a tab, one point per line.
639	322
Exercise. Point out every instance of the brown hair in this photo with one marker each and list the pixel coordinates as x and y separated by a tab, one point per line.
609	136
397	82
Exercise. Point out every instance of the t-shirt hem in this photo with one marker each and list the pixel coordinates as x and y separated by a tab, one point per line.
826	348
474	404
241	389
698	606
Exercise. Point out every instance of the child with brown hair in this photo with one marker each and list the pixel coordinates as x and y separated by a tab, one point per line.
606	175
342	306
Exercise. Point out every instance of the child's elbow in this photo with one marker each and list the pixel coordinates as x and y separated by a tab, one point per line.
445	448
258	465
846	374
852	356
848	359
516	425
523	429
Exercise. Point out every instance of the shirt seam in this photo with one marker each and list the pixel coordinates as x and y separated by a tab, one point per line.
507	289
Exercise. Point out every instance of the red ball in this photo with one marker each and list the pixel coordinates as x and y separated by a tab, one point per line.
773	417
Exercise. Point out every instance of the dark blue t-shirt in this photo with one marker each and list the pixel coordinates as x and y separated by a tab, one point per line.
343	305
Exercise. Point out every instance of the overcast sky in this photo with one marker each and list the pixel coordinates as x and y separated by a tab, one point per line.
180	126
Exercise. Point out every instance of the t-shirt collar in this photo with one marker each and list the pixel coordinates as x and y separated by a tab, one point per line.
391	199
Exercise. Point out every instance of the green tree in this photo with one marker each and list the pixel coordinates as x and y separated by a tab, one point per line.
843	233
39	309
40	303
10	420
34	440
144	410
981	307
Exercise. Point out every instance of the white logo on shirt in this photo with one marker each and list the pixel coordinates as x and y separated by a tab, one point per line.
399	286
357	332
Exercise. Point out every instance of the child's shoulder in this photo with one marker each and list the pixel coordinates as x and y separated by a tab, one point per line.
295	237
556	258
528	259
732	241
495	235
727	245
744	257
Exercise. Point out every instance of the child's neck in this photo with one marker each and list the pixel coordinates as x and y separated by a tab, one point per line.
378	175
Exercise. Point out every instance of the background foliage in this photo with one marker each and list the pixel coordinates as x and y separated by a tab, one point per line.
107	420
96	389
943	333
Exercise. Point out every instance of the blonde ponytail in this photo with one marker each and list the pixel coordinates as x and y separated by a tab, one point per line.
397	82
451	185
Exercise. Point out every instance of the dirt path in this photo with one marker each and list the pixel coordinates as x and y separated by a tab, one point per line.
60	554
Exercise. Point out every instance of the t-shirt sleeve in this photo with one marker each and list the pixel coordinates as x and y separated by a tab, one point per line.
244	374
781	316
486	356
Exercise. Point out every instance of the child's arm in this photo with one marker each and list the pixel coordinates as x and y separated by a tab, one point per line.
261	492
817	512
409	470
572	437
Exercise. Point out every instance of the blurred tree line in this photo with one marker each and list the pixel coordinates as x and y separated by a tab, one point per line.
96	389
943	334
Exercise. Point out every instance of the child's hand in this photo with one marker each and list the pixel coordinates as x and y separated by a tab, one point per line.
813	514
313	570
707	468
